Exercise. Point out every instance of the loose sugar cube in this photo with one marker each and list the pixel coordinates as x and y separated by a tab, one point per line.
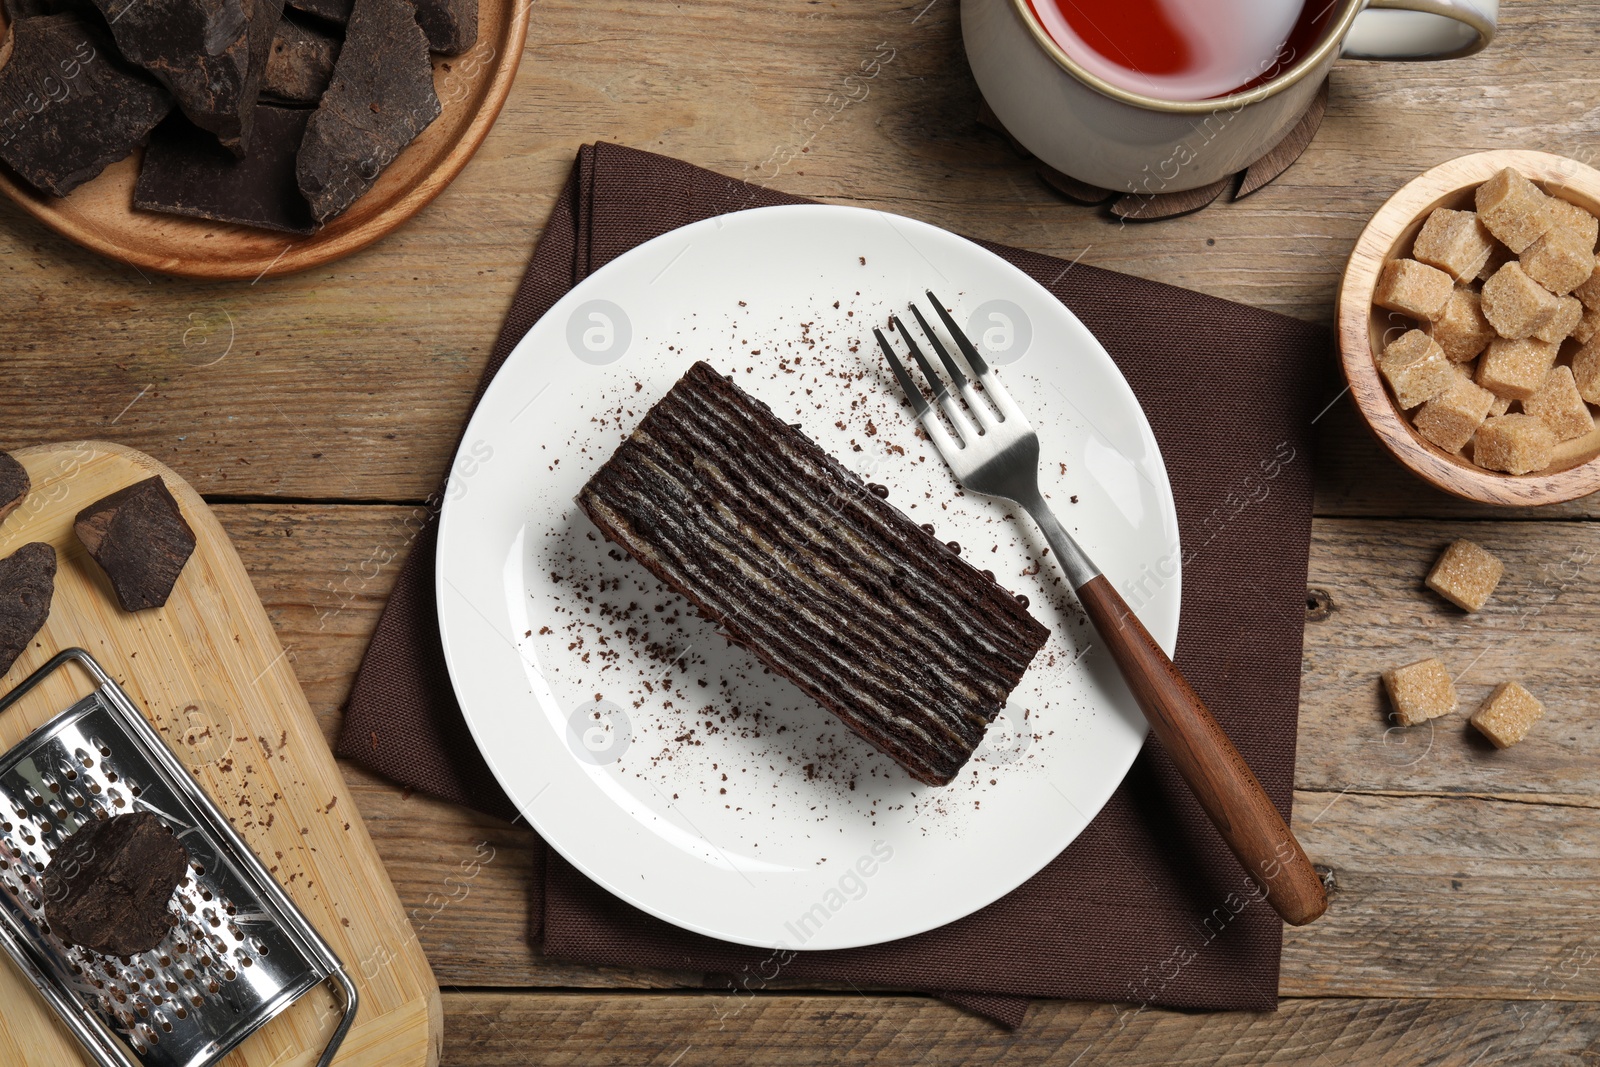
1568	314
1559	262
1587	326
1559	406
1515	304
1507	715
1586	371
1416	369
1514	209
1465	575
1516	369
1461	329
1413	288
1589	291
1455	242
1450	419
1420	691
1516	444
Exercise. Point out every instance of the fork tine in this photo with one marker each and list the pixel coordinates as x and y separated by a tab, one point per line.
979	410
997	392
907	386
942	391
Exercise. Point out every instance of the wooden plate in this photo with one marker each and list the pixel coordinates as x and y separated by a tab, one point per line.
1575	471
472	87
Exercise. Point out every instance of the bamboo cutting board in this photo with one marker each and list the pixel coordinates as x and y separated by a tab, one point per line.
208	672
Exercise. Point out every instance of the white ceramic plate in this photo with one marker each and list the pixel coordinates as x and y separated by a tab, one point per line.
667	765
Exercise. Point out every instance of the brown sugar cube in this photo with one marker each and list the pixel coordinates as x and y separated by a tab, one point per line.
1588	325
1420	691
1514	209
1559	262
1413	288
1450	419
1416	369
1516	369
1516	444
1465	575
1589	291
1498	257
1461	329
1586	371
1455	242
1507	715
1559	406
1499	405
1568	314
1574	221
1515	304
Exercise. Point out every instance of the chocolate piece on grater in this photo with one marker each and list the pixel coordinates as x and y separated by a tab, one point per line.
68	107
299	66
209	53
139	538
14	485
451	25
380	98
185	172
27	582
109	886
787	552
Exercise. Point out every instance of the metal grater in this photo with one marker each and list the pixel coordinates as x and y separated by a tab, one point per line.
241	952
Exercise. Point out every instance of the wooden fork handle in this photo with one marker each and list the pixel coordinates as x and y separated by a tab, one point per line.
1219	776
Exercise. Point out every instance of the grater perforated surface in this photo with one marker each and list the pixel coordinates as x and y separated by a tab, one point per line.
239	952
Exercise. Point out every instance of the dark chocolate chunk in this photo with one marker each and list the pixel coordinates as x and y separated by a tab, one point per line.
380	98
109	886
451	25
185	172
27	9
140	540
68	108
300	65
27	582
337	11
14	485
210	53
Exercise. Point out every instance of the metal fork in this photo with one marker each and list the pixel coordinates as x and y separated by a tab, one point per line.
997	455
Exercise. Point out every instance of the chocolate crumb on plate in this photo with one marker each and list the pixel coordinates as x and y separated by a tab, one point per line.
210	53
380	98
141	541
27	583
109	886
68	108
186	172
14	484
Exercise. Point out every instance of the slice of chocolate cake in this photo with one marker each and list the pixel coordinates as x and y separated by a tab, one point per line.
791	556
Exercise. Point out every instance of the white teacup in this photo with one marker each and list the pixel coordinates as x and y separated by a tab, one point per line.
1105	135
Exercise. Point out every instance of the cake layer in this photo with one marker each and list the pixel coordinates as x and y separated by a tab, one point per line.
791	556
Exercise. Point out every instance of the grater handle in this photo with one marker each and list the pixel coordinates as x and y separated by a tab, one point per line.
55	662
352	1001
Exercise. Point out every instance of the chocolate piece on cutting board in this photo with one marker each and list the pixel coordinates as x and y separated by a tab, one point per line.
337	11
139	538
109	886
27	582
210	53
14	484
299	65
380	98
27	9
68	107
185	172
451	25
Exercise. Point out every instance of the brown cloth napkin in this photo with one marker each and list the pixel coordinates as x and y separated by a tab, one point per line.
1147	906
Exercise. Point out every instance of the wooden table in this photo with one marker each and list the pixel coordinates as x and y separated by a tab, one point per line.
317	412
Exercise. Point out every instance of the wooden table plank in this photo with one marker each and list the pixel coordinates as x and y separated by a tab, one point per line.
351	382
488	1030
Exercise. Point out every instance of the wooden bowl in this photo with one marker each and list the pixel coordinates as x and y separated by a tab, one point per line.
99	215
1575	471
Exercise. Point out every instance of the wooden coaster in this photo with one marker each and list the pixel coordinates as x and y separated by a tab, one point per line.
1139	207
